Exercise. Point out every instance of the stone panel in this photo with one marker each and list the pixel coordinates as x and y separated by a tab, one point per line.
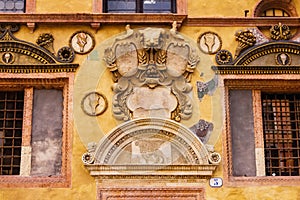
242	133
47	132
151	193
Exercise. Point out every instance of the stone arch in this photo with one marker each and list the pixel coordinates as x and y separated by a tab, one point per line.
148	148
155	135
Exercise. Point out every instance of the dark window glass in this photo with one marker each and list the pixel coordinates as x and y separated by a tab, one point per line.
15	6
140	6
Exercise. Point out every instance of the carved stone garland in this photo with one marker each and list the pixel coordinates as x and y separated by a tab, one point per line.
151	69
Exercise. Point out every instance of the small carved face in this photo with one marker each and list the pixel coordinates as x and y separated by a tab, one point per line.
151	38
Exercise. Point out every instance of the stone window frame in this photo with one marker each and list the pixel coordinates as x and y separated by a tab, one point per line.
256	83
62	81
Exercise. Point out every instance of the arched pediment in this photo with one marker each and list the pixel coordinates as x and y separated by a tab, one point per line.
145	145
14	53
8	43
277	57
267	52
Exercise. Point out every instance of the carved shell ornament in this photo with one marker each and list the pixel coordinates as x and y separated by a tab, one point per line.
151	69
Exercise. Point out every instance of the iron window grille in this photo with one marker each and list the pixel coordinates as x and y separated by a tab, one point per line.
11	120
281	125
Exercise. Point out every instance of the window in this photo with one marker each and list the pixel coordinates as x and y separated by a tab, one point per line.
281	133
34	131
275	8
15	6
273	12
46	132
281	124
262	131
138	6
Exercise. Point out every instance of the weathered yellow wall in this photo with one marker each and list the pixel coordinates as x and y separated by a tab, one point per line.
219	8
83	185
64	6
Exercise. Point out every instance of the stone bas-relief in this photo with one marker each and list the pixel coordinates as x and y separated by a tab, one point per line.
152	69
152	151
94	104
82	42
155	103
209	42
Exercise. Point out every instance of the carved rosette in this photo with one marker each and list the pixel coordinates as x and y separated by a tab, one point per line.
158	62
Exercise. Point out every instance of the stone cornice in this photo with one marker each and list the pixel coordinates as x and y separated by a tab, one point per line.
150	171
96	19
249	70
241	21
49	68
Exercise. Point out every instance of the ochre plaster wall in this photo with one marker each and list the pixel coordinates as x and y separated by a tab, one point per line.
64	6
226	8
83	186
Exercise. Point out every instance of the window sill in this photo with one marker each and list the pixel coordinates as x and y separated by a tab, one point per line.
263	181
16	181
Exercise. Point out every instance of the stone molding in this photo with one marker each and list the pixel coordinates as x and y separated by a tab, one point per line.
243	64
97	20
143	193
